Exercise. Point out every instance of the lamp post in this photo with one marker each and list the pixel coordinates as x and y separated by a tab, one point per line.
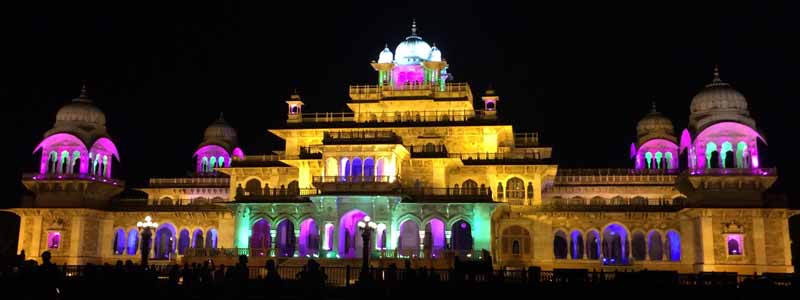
145	228
366	226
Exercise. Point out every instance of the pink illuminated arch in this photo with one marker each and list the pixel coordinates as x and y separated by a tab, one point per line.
208	152
59	143
732	133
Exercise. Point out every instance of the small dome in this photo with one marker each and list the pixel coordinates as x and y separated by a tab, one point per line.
220	132
655	125
386	56
413	50
81	110
719	101
436	55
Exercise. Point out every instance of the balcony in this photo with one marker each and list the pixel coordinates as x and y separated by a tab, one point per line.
411	91
65	177
446	195
190	182
526	139
276	195
391	118
361	137
428	151
733	172
615	176
355	184
499	158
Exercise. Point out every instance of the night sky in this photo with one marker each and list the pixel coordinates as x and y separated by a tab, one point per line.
580	75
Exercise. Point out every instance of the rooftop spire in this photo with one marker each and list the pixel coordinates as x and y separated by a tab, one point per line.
716	73
84	97
221	117
414	27
653	107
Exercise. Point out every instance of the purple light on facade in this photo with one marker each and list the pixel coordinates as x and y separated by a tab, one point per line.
211	151
53	239
259	235
133	241
615	243
410	74
237	152
686	140
349	242
655	146
309	237
727	132
437	239
674	240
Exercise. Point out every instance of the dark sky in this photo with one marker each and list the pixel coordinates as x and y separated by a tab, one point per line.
580	75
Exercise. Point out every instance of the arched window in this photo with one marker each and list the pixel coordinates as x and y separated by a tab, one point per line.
618	200
62	163
221	161
211	238
285	239
515	189
658	164
211	163
597	201
560	245
518	239
429	147
576	245
119	242
712	155
165	201
674	245
197	239
461	237
106	170
356	170
593	245
53	162
741	152
649	157
253	187
133	241
369	168
639	201
469	187
345	167
53	239
183	241
380	167
639	247
75	165
259	237
577	201
656	247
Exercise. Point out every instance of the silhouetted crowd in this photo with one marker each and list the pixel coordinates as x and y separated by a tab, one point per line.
467	279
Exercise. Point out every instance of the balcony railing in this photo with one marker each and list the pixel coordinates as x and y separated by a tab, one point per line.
428	151
45	177
496	157
733	172
447	194
397	116
274	194
423	90
361	137
526	139
354	179
191	181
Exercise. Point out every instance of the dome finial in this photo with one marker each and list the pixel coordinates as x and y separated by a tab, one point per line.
653	107
414	26
84	96
221	117
716	73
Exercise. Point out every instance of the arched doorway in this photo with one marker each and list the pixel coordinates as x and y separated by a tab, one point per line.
639	246
461	237
615	244
259	238
350	243
408	242
656	246
285	239
165	242
435	240
576	245
183	241
560	245
593	245
211	238
197	239
309	238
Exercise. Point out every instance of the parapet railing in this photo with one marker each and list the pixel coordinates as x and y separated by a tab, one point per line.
243	194
526	139
397	116
496	156
214	181
361	136
733	171
410	89
354	179
67	176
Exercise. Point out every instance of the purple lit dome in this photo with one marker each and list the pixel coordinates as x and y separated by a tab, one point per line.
655	125
220	133
717	102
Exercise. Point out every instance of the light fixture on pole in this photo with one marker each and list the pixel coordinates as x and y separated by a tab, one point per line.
146	228
367	227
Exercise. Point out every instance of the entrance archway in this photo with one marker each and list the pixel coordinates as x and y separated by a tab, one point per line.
285	239
309	238
350	243
461	237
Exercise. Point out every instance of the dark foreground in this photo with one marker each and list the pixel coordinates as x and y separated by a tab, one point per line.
127	281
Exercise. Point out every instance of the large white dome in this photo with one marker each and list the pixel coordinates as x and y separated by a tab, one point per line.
412	51
718	101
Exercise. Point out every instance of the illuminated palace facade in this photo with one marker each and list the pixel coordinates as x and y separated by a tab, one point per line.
440	179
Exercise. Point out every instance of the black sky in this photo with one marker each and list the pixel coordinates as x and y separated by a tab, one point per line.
580	75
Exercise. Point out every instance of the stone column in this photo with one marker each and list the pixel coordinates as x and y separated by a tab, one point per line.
759	243
706	244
